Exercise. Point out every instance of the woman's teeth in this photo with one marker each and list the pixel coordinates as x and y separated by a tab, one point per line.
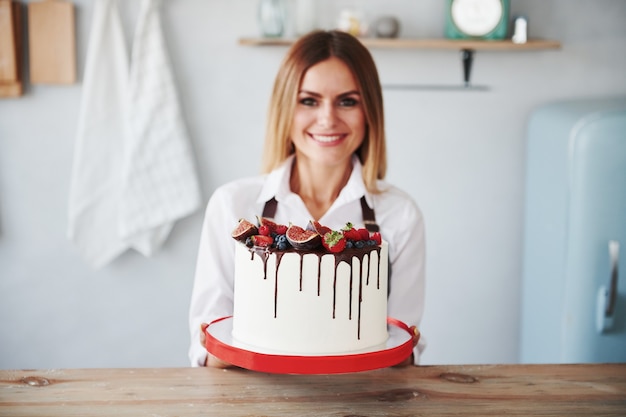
326	138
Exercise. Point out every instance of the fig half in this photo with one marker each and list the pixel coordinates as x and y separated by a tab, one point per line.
302	239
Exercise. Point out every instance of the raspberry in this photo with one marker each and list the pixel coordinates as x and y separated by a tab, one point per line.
264	230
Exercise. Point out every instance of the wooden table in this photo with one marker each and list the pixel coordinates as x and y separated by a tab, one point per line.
493	390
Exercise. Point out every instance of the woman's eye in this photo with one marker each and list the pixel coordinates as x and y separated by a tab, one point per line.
348	102
308	101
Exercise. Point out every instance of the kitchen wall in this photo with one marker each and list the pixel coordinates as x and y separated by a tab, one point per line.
460	154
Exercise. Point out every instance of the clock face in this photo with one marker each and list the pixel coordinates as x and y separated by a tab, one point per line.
476	17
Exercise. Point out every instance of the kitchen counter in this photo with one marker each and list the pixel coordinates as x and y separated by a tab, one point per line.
467	390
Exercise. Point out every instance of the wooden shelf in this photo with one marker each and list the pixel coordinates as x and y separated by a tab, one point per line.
403	43
468	48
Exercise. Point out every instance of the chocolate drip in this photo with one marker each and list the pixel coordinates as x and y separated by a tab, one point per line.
378	276
263	253
279	256
346	256
301	266
368	269
358	325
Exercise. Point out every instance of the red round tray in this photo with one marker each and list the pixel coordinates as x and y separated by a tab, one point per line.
219	343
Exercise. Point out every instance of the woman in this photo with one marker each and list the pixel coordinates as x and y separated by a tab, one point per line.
324	151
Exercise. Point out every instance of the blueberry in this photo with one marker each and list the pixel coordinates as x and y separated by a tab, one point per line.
249	242
349	244
282	245
359	244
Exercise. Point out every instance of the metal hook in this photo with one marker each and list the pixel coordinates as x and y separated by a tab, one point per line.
467	56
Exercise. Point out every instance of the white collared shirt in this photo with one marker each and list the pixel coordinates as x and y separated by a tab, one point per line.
398	216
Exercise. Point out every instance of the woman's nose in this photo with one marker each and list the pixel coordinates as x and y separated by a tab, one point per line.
327	116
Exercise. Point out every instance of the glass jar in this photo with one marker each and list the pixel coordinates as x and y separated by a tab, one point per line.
272	18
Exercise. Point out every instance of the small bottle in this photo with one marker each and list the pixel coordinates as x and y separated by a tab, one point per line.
272	18
520	30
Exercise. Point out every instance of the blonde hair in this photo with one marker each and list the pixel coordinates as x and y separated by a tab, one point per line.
307	51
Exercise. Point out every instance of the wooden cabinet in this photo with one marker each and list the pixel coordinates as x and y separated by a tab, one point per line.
10	49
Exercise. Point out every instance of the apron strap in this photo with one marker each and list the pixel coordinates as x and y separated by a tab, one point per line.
369	217
269	211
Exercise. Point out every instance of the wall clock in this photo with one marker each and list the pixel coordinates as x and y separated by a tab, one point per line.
477	19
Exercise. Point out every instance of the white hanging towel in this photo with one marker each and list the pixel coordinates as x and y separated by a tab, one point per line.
133	173
97	172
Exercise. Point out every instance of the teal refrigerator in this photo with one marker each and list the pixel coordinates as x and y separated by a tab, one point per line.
573	292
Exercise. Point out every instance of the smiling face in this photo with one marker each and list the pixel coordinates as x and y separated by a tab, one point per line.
329	121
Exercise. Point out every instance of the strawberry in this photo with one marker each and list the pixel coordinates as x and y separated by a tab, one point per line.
365	234
262	241
334	241
351	233
264	230
376	237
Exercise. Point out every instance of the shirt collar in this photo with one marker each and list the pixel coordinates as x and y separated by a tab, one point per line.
277	184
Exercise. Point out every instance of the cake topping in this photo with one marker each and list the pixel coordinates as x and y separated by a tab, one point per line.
244	230
302	239
262	241
266	223
316	237
316	226
351	233
334	241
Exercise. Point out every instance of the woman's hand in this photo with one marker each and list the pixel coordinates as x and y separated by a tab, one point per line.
211	360
410	359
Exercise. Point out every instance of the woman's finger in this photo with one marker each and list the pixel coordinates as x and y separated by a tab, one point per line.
416	335
203	327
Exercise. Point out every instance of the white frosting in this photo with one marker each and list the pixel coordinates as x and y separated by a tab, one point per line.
286	314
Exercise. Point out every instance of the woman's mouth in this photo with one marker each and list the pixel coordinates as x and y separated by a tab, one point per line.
326	139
